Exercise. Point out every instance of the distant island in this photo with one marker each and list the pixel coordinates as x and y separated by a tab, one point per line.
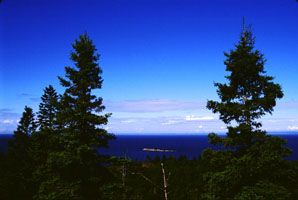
158	150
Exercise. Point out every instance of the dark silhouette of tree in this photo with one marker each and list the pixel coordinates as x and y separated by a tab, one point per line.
48	108
253	167
21	138
45	141
27	126
249	93
76	171
19	158
80	104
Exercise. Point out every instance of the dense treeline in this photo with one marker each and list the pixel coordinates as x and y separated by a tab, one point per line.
55	153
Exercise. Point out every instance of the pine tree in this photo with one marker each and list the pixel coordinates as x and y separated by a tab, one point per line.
27	126
248	95
253	167
76	171
48	108
19	158
46	139
81	106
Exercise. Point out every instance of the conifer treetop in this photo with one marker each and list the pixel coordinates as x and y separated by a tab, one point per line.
48	108
80	106
249	93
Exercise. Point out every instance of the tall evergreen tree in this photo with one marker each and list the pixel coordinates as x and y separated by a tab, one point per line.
253	167
19	158
48	108
21	137
76	171
249	93
46	140
81	105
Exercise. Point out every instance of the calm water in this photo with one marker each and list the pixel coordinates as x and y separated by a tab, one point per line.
189	145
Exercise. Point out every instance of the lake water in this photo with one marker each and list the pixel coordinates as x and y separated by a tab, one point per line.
188	145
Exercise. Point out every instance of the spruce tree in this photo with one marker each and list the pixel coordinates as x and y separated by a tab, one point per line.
19	158
21	137
248	95
45	140
76	171
80	104
48	108
253	167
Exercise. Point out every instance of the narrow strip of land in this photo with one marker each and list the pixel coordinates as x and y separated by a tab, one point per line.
158	150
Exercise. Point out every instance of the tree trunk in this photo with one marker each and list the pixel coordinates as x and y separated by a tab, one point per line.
164	181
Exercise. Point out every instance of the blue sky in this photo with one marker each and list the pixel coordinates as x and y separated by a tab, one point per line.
159	58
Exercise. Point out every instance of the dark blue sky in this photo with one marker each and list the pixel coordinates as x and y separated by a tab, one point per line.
160	58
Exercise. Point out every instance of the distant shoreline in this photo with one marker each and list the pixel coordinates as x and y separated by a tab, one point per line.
275	133
289	133
138	147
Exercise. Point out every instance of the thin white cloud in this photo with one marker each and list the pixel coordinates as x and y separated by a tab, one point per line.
187	119
293	128
171	122
187	122
8	121
194	118
128	121
152	105
273	120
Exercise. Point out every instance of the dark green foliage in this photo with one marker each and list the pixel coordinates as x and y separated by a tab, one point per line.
74	169
46	139
79	104
48	109
61	159
263	191
230	173
249	93
19	159
254	166
27	126
144	180
20	145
